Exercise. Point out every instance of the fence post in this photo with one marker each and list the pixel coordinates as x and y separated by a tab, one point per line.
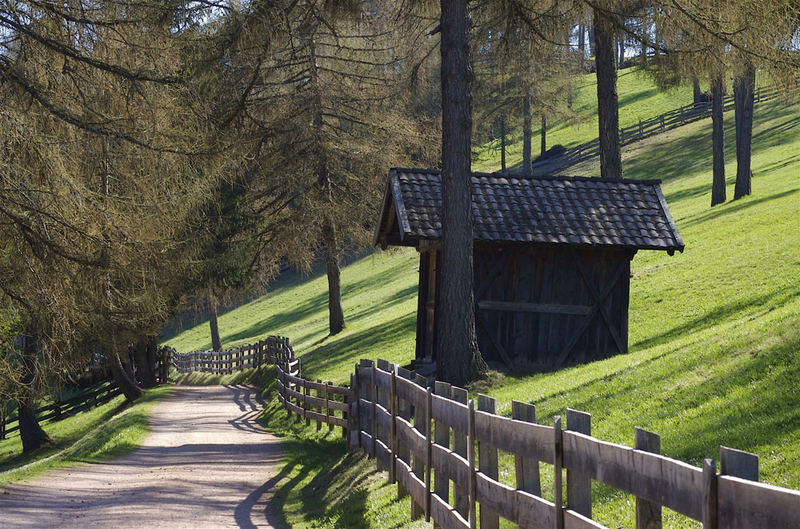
473	485
558	464
738	464
393	428
442	438
355	418
2	420
381	398
579	486
328	406
306	393
318	408
460	496
404	411
418	465
428	454
286	389
648	514
373	398
527	469
488	464
641	133
709	494
347	431
662	122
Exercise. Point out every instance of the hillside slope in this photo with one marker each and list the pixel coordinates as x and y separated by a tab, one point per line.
639	99
714	332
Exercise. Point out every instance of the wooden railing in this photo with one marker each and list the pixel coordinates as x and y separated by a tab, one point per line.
429	437
272	350
313	401
89	398
648	127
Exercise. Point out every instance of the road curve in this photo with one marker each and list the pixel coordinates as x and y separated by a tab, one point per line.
205	463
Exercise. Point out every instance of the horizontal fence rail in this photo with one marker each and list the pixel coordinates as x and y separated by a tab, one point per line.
649	127
272	350
86	399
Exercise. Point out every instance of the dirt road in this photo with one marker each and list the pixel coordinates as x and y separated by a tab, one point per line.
205	464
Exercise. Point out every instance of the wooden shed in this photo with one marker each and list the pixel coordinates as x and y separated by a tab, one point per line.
551	260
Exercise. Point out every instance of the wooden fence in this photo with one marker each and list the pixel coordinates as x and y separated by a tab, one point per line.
318	401
272	350
441	448
645	128
89	398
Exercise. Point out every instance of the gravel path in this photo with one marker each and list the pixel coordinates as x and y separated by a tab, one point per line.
206	463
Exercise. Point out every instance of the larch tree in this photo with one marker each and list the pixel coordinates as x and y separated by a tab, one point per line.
323	107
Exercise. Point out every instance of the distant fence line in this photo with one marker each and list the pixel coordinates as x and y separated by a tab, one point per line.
433	441
648	127
271	350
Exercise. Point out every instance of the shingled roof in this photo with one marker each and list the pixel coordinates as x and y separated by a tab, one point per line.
545	210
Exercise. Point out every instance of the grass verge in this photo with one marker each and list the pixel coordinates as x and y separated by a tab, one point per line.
102	433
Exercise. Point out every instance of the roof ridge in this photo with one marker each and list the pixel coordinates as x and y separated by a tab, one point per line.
498	174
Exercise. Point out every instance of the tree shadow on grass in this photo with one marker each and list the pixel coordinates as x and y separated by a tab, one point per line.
366	343
718	315
734	207
332	494
682	155
318	304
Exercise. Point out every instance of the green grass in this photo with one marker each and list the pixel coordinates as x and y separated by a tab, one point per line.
379	296
714	336
102	433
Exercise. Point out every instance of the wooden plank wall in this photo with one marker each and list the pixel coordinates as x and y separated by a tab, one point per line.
544	307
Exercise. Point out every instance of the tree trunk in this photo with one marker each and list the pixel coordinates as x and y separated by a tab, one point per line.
718	185
123	380
526	133
544	135
607	103
744	97
335	313
503	143
458	359
592	42
30	431
582	44
698	93
145	361
569	92
216	343
621	53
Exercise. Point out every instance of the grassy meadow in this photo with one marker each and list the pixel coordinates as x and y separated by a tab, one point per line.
714	336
